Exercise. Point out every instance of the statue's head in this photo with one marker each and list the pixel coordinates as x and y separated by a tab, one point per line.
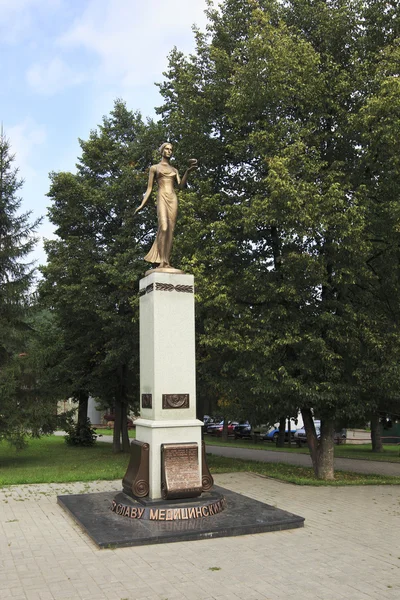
166	146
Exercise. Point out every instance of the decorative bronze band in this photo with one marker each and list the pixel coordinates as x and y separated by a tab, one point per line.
175	400
166	287
169	287
147	401
184	288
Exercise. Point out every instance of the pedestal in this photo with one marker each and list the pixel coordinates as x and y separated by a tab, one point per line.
168	422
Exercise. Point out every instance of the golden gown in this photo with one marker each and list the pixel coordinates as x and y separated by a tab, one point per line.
167	210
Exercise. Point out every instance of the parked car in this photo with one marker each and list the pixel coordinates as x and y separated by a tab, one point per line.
243	430
272	434
110	418
231	428
212	424
300	436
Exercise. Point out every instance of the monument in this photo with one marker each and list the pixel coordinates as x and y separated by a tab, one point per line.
168	493
167	458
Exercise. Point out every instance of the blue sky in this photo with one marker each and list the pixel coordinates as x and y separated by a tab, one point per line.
63	64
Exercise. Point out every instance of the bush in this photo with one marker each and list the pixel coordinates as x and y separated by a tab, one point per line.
83	435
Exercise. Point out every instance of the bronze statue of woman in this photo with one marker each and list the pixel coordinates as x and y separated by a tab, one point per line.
167	205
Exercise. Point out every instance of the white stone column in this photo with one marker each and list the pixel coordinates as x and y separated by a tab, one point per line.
167	368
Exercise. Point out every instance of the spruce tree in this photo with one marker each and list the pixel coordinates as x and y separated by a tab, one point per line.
16	277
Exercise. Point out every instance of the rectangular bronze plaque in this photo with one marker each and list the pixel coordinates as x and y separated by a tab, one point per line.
180	471
147	400
175	400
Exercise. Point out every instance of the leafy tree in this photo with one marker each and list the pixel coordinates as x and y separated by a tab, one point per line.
277	227
94	266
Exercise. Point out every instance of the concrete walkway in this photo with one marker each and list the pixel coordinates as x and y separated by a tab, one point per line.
304	460
348	550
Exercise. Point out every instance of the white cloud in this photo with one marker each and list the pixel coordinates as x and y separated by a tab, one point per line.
24	138
18	16
132	39
53	76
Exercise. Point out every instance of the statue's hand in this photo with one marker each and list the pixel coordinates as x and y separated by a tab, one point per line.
192	162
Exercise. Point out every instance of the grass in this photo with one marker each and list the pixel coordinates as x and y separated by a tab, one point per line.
50	460
391	453
294	474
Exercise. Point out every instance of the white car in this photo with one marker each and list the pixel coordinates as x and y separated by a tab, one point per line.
300	436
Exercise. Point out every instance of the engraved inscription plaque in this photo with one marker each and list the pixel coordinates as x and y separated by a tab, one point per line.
147	400
180	476
175	400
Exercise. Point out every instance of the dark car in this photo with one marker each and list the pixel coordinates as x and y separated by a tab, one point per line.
243	430
212	425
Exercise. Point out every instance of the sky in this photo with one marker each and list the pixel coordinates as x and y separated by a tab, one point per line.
63	64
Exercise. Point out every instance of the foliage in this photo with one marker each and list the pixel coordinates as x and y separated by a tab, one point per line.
281	226
23	410
94	265
80	434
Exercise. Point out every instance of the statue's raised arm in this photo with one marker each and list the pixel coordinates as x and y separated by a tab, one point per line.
166	177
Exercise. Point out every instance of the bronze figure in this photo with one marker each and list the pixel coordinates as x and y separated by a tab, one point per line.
167	205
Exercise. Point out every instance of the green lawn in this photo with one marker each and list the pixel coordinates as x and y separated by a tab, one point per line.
391	453
50	460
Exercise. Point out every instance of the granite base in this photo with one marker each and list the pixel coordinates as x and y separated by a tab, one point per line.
241	516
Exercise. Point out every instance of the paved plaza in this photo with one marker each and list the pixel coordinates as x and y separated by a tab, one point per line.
349	549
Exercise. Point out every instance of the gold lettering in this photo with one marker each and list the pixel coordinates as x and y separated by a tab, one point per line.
113	505
127	511
198	512
191	513
184	513
140	512
133	514
211	509
154	514
204	511
169	515
161	514
177	513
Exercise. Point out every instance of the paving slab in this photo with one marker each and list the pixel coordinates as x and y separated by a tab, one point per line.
348	549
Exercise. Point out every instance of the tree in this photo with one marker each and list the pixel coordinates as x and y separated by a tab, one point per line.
21	414
91	279
278	221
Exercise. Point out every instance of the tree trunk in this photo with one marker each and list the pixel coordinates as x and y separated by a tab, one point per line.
289	433
83	399
322	450
225	430
326	469
117	427
280	442
124	427
376	438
